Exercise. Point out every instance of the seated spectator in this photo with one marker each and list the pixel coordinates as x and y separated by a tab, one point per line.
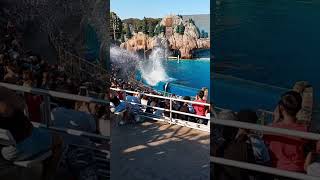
287	153
33	103
206	94
312	164
244	148
114	98
144	101
133	102
200	109
159	112
11	76
121	94
30	141
223	135
153	102
184	108
45	81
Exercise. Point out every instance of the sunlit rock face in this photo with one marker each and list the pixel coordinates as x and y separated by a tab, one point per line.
184	43
141	41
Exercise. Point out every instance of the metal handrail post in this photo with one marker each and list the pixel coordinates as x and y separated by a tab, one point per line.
47	110
170	109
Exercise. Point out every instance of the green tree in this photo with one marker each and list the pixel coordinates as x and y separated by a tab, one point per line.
204	34
180	29
157	30
191	21
128	33
145	27
160	29
116	25
122	38
151	31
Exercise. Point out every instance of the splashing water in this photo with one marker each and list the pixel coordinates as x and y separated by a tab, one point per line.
152	70
124	60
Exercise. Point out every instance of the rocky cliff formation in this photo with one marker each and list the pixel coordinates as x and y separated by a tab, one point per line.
173	38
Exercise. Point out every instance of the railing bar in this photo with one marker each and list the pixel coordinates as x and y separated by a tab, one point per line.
79	133
171	110
193	115
168	110
162	97
53	93
281	131
260	168
70	131
206	129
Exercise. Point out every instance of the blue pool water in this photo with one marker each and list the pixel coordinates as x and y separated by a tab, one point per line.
275	42
189	76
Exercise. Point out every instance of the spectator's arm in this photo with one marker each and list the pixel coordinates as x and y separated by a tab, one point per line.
276	115
308	160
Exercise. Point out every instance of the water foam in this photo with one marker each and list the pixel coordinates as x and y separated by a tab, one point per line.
152	70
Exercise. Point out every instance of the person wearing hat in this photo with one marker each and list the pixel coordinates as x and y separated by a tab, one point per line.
287	153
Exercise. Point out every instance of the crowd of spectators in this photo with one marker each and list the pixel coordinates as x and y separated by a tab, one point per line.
139	102
272	150
19	110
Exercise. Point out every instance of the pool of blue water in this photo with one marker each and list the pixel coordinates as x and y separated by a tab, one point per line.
275	42
189	76
236	94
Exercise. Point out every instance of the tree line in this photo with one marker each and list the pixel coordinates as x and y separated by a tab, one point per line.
122	29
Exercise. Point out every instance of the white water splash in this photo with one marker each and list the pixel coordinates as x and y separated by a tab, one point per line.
152	70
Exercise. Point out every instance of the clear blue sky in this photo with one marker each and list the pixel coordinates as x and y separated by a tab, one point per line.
158	8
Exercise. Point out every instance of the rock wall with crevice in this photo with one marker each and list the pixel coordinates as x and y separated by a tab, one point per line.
184	42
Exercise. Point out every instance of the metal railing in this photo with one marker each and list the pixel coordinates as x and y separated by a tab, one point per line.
265	129
172	120
104	153
47	109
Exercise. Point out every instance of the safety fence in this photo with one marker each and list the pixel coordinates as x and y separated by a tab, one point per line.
170	119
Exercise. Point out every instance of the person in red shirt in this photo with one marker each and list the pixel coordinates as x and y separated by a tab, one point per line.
287	153
33	103
200	110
